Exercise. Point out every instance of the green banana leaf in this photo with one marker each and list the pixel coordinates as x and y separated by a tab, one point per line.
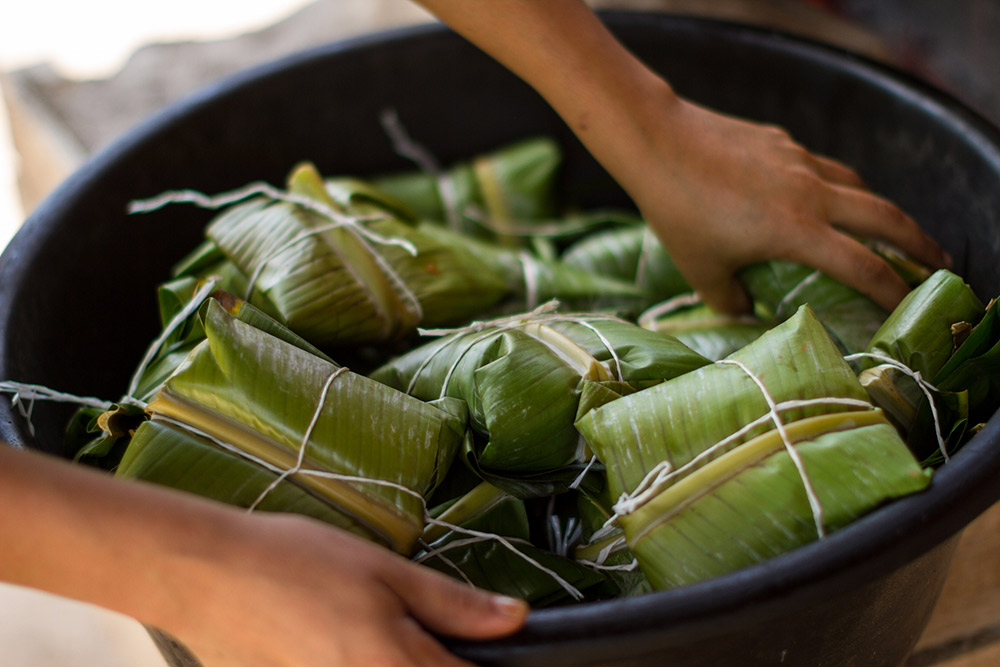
259	394
532	280
334	287
678	420
634	355
521	390
632	254
492	566
511	185
523	383
918	332
782	287
922	335
752	504
713	335
610	548
158	451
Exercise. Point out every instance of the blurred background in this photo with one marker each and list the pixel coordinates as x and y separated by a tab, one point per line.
74	76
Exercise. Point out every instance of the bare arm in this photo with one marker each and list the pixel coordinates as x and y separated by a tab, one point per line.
719	192
237	588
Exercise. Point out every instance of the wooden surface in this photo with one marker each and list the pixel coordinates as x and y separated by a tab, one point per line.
56	123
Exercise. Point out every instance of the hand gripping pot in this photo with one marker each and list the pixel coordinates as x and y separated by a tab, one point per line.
860	596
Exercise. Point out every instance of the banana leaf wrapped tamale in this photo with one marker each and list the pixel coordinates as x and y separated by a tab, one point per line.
701	461
333	286
532	280
707	332
642	451
523	381
631	254
942	333
258	397
753	504
777	288
513	565
513	184
797	360
782	287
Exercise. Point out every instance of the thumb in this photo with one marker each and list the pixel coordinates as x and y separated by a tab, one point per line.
725	296
448	607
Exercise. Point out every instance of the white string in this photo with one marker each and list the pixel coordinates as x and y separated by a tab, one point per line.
541	314
260	189
648	487
609	526
607	345
624	567
814	504
365	235
194	304
579	478
568	587
530	270
305	439
404	145
653	481
573	591
794	292
647	319
925	386
447	561
22	391
615	544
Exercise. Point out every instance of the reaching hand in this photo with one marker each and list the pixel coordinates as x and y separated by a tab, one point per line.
237	588
722	193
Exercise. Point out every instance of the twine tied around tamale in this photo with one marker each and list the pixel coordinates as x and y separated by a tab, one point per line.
540	315
662	473
925	387
338	220
23	392
299	469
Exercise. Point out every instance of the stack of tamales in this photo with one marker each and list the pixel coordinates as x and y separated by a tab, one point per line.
544	444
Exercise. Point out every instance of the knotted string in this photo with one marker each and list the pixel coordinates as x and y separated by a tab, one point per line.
925	386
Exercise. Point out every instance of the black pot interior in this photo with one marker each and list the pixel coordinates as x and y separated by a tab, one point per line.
77	284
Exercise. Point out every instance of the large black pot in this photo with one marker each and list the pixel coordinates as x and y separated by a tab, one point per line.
77	307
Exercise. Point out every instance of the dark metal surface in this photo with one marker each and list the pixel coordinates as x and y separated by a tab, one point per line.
77	307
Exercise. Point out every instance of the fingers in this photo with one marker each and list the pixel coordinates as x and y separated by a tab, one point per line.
725	296
836	172
451	608
422	649
869	215
855	265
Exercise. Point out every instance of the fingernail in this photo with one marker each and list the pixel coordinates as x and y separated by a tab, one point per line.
510	606
947	261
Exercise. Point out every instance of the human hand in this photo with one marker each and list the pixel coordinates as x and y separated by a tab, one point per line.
722	193
237	588
286	590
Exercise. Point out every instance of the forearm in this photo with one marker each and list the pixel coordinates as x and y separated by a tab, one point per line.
608	97
78	533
